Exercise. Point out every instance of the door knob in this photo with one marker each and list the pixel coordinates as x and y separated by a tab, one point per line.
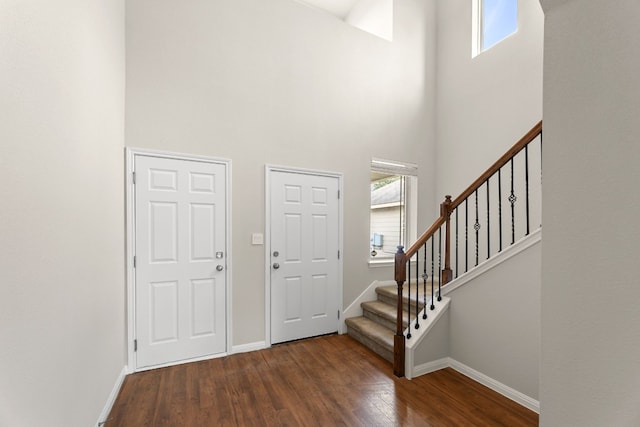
276	266
219	267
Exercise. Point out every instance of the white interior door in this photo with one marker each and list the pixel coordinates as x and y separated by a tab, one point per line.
304	245
180	268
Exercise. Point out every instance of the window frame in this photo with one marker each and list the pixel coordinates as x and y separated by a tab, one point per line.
410	173
477	14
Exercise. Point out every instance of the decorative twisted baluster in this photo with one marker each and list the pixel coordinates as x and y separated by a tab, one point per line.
446	208
425	276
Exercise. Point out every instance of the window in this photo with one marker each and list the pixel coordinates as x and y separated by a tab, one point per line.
393	207
494	20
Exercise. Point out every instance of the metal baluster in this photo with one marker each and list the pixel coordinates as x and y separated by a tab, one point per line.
500	207
417	289
440	264
424	282
408	298
476	227
526	181
488	223
466	234
541	167
456	242
432	270
512	200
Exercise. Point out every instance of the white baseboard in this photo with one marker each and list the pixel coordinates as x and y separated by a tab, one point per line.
112	397
497	386
427	368
245	348
506	391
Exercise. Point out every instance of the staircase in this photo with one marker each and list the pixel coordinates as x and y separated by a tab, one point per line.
376	327
458	234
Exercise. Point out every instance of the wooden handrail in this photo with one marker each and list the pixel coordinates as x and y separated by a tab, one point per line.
506	157
446	208
425	236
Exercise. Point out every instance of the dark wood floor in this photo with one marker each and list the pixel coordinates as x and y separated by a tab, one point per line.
326	381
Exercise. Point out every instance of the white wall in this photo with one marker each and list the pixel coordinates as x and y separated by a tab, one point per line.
281	83
374	16
590	371
495	322
484	104
61	222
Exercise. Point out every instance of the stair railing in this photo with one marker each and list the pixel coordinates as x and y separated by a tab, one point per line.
427	253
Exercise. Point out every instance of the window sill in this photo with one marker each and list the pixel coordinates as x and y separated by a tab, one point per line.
387	262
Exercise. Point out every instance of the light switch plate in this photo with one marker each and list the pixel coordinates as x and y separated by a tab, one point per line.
257	239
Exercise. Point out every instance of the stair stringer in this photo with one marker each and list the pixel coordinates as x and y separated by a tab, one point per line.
369	294
432	347
435	330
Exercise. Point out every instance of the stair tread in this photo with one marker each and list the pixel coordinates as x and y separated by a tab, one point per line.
407	292
385	310
373	330
376	328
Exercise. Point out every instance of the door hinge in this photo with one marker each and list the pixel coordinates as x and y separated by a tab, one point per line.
135	345
338	254
134	261
134	178
338	314
338	194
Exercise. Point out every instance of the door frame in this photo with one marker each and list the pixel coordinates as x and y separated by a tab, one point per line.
267	241
130	153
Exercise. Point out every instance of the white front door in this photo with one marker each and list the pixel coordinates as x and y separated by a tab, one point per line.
180	253
304	255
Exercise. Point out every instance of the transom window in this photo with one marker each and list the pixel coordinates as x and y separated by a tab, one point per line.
493	21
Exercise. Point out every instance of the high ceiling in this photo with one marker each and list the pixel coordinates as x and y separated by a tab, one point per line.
339	8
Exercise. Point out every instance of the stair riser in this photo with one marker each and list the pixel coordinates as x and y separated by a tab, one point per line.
389	324
376	327
383	352
393	301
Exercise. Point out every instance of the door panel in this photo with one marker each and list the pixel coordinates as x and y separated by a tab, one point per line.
305	235
163	303
179	228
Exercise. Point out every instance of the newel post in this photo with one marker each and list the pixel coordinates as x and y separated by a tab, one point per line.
398	339
445	212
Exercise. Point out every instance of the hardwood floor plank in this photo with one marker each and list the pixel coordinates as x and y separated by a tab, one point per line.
325	381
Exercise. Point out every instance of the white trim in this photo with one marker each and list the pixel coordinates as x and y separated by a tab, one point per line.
369	294
505	390
394	167
521	245
112	397
183	361
386	262
427	368
252	346
130	250
267	240
485	380
382	262
476	28
130	153
440	307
